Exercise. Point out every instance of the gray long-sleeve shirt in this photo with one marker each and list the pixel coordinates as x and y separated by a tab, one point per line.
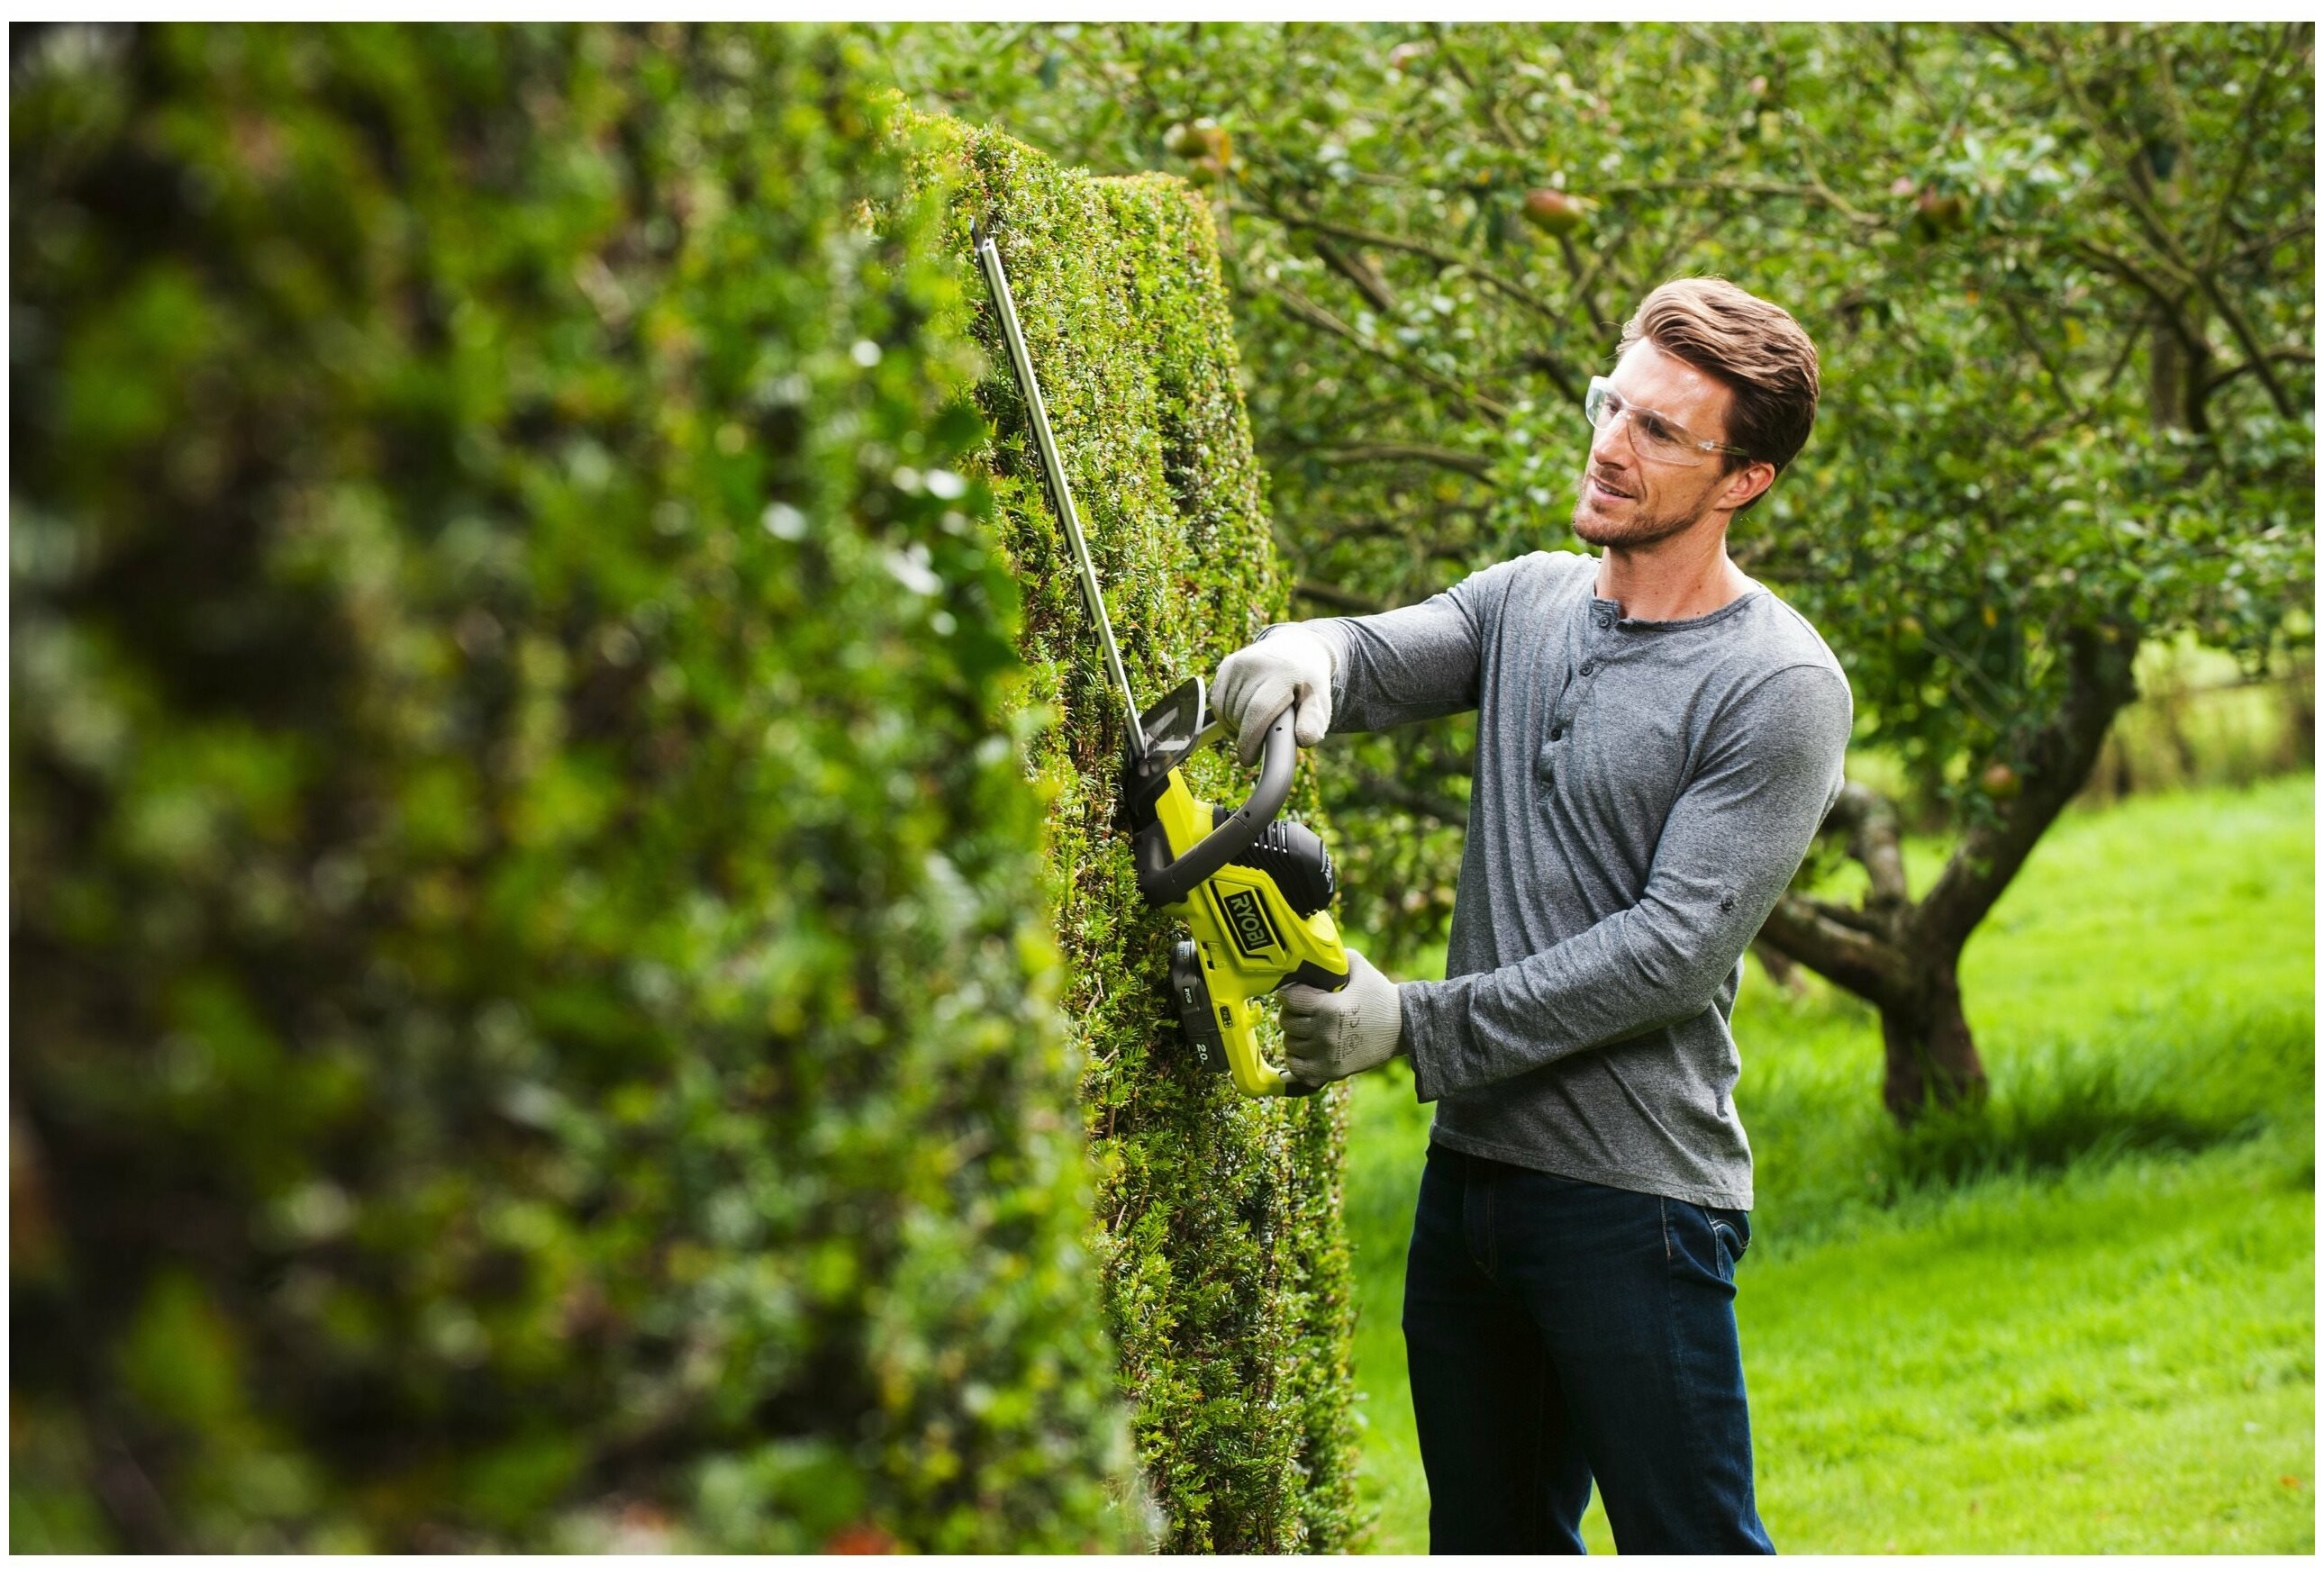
1641	795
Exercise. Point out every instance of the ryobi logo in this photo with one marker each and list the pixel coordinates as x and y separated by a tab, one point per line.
1252	933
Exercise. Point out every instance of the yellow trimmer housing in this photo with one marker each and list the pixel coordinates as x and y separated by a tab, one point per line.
1253	890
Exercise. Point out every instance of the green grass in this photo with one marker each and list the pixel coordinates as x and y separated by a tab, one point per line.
2117	1362
2080	1320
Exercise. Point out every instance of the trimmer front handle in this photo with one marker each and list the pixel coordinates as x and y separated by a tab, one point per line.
1172	882
1255	891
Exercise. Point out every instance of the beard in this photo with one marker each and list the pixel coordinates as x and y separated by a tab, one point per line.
1637	525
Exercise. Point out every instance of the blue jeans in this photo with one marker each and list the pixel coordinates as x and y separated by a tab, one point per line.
1559	1330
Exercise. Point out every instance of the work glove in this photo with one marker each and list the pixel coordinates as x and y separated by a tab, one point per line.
1330	1035
1286	666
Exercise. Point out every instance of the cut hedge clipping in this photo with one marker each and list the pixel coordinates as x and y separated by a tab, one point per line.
536	1018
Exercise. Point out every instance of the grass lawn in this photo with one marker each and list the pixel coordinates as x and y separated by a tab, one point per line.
2082	1321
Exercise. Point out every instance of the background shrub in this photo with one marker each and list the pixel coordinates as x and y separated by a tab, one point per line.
531	1026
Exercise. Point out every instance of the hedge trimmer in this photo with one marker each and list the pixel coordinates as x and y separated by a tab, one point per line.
1254	890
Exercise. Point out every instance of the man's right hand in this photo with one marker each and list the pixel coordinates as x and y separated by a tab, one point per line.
1289	666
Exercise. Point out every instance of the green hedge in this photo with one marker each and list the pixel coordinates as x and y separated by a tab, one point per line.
1217	1218
532	1027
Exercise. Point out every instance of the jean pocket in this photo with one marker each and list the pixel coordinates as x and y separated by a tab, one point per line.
1732	1228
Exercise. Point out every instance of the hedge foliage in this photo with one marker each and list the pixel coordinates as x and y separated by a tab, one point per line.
532	1027
1225	1268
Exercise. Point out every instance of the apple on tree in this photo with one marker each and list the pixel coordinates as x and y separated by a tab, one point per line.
1559	213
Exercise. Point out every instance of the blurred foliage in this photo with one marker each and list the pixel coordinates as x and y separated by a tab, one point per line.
2202	721
1225	1267
2060	276
533	1026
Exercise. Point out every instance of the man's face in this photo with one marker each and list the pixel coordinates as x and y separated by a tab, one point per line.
1627	500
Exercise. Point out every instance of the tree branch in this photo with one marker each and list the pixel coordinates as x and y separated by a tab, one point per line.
1557	371
1370	788
2281	353
2261	86
1875	840
1493	118
2032	342
2304	230
1316	317
1855	960
1855	919
2172	255
2000	30
2248	337
2173	307
1338	597
1815	192
1854	948
1430	453
2130	338
2056	763
1668	257
1601	256
1583	276
1369	284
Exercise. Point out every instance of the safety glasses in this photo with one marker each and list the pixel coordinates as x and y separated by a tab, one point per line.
1658	437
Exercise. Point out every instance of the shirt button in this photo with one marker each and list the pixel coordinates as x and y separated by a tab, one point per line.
1556	735
1588	669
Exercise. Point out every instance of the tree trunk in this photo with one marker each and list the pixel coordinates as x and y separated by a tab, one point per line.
1877	952
1932	1056
1904	956
1782	971
1880	953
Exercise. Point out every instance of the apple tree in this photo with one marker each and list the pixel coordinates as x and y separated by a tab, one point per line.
2060	278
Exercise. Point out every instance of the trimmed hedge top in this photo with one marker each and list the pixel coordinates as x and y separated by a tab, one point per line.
1217	1218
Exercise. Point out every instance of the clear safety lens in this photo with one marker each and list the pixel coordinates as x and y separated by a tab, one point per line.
1657	436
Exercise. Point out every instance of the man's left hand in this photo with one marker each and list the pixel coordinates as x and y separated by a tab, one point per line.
1330	1035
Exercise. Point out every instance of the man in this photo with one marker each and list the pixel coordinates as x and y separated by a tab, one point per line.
1657	739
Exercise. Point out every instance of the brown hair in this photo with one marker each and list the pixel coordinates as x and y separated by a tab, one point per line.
1755	348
